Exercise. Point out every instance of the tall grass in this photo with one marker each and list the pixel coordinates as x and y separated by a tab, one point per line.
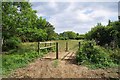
20	57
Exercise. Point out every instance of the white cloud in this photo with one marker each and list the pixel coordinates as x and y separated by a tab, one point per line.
79	17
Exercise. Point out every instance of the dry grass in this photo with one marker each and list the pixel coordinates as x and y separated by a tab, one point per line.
72	45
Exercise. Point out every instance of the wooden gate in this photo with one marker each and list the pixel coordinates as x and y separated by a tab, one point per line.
48	45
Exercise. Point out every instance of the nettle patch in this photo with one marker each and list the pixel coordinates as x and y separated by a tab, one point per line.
94	56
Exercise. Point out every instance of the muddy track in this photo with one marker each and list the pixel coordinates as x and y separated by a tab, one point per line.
64	67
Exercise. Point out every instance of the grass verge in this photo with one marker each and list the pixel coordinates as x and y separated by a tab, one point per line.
20	58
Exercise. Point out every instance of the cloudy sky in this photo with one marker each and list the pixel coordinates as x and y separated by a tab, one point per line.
79	17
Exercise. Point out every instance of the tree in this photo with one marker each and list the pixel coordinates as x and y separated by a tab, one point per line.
20	22
105	34
81	36
68	35
45	25
109	22
115	32
99	34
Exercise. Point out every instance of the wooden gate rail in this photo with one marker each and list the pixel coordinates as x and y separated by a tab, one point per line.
48	46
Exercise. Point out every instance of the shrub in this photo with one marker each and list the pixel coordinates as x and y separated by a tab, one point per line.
115	55
90	53
11	43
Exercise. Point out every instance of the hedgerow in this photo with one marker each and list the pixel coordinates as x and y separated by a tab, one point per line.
92	55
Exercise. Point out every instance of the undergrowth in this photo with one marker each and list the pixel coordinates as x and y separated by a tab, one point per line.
95	56
20	58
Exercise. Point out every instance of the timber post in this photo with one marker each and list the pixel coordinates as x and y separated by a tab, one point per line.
56	50
50	44
38	46
66	46
79	45
45	44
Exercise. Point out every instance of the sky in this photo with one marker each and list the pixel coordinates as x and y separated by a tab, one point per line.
79	17
119	8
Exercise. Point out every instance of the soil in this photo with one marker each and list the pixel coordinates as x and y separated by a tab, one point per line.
64	67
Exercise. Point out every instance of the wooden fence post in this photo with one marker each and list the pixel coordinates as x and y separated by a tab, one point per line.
56	50
45	44
38	46
79	45
66	46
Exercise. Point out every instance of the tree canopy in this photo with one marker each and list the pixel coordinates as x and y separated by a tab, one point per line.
20	20
105	34
68	35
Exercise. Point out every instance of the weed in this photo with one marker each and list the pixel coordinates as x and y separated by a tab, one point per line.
55	63
95	56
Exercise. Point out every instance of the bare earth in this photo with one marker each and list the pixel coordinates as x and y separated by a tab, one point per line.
65	67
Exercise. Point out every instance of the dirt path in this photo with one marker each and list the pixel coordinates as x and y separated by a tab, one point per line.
65	67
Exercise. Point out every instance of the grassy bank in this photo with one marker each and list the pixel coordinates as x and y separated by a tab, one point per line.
21	57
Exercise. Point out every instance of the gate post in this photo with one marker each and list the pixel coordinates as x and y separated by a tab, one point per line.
79	45
66	46
38	46
56	50
45	44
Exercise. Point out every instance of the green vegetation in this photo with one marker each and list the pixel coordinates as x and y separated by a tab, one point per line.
20	26
1	64
96	56
11	43
22	29
70	35
103	48
103	35
72	45
20	23
55	63
20	57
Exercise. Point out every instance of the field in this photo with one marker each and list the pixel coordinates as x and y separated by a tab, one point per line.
26	62
72	45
